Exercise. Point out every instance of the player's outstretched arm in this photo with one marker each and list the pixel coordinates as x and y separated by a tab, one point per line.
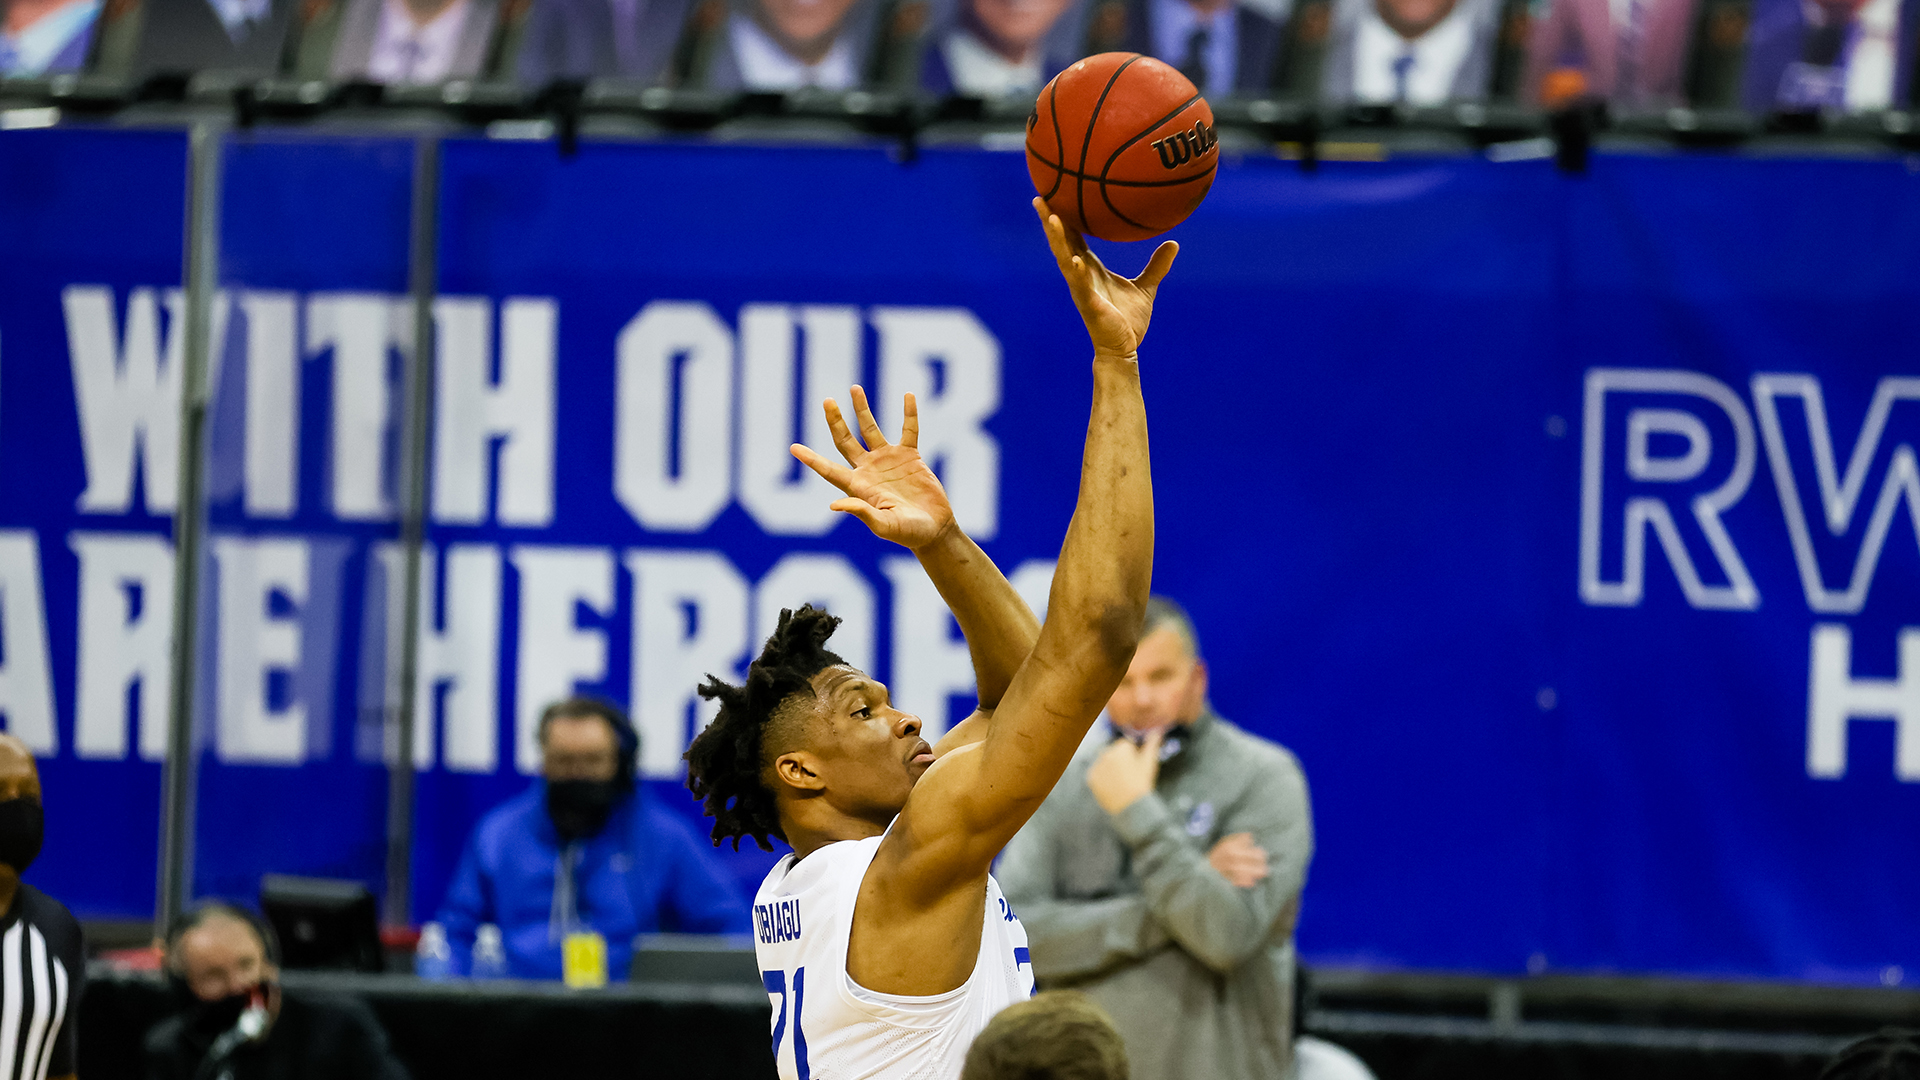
969	804
889	487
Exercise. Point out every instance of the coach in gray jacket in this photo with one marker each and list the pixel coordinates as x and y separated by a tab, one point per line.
1162	876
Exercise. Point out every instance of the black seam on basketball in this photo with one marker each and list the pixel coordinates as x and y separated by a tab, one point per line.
1150	129
1080	181
1059	145
1060	173
1123	183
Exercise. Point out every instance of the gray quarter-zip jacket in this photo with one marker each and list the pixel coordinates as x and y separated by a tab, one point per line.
1197	974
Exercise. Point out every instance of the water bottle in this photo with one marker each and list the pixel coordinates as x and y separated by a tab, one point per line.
489	953
432	957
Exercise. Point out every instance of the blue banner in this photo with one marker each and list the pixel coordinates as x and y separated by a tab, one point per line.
1568	528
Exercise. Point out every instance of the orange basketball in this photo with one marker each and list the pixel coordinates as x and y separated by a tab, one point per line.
1121	146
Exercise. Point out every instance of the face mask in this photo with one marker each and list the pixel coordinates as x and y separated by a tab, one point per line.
22	825
214	1018
580	808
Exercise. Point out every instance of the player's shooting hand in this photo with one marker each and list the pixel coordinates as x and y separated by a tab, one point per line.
889	487
1125	772
1116	309
1238	859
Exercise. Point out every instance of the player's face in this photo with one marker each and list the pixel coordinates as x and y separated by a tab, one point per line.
803	22
872	752
1164	685
1017	25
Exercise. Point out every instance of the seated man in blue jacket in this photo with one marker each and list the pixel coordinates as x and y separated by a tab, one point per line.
584	850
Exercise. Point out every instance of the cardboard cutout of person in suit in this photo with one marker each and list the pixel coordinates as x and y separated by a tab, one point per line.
397	42
776	45
1632	53
180	37
42	37
1812	55
585	39
1225	47
996	47
1416	52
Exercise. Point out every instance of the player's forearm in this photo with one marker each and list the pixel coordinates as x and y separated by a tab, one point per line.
999	627
1105	571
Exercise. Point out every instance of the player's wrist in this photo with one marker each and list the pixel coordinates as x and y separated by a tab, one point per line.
1115	356
950	537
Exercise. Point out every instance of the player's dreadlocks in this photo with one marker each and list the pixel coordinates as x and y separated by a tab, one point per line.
723	764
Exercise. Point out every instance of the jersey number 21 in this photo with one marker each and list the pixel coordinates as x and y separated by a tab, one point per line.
776	983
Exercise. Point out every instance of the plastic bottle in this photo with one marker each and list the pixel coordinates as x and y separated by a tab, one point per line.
489	953
432	957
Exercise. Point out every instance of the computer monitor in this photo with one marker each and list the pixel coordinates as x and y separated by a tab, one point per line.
323	923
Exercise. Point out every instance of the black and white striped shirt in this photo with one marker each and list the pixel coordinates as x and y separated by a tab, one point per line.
42	971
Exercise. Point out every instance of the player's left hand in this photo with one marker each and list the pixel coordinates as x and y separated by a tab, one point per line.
889	487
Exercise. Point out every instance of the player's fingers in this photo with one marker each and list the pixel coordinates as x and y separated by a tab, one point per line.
1158	266
910	424
1050	224
837	475
870	432
849	446
858	508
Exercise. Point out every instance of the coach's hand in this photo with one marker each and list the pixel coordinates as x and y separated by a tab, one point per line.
889	487
1238	859
1125	773
1116	309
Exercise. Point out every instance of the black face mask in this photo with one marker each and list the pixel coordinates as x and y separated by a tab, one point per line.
211	1019
22	828
580	808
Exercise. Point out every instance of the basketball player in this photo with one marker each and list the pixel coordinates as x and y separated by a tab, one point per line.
884	943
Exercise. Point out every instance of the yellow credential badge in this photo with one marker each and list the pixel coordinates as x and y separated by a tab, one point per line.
583	960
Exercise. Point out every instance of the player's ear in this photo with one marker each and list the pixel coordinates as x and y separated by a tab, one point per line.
799	770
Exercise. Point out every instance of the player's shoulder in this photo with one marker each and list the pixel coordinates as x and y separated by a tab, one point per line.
831	863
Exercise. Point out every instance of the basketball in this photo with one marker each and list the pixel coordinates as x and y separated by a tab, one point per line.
1121	146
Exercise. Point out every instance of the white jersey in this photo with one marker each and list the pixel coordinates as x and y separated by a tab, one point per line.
826	1026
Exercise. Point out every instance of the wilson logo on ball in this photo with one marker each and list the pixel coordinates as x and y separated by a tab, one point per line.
1183	146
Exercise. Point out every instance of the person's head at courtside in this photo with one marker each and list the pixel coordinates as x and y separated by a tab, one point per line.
1057	1035
223	959
1166	685
587	756
807	738
1888	1054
